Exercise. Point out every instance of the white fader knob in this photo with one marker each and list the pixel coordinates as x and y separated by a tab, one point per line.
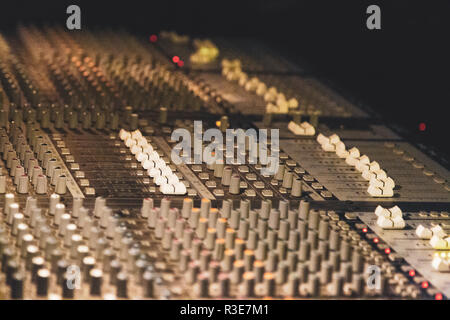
439	243
123	134
440	262
423	232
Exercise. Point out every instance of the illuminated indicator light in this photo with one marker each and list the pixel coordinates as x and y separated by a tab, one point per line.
438	296
153	38
387	250
175	59
412	273
425	285
422	126
364	230
180	63
218	123
376	240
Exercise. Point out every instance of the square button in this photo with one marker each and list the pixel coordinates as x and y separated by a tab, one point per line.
89	191
218	192
211	184
250	193
70	159
84	182
65	151
259	185
204	176
79	174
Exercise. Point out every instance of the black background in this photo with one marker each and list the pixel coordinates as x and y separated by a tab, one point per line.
401	71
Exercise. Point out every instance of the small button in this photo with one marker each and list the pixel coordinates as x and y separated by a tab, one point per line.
250	193
211	184
70	159
243	169
350	216
204	176
79	174
89	191
259	184
326	194
84	182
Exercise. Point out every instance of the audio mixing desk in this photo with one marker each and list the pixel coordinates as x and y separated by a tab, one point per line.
94	204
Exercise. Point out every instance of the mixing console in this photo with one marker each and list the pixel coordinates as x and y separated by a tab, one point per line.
99	198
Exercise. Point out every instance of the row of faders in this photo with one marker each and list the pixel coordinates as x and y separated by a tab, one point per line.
56	252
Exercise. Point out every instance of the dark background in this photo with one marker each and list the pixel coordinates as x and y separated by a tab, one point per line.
400	71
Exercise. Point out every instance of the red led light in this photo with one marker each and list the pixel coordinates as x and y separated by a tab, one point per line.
425	285
412	273
175	59
438	296
387	250
153	38
180	63
364	230
376	240
422	126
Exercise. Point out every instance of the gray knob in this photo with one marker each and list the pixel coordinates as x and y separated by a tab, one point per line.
162	115
41	184
76	205
280	172
304	210
226	176
42	282
235	184
287	179
86	120
227	206
96	279
147	205
22	186
73	119
2	183
134	121
61	182
296	188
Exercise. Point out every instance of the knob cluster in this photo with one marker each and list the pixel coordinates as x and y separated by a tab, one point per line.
76	247
30	161
246	252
